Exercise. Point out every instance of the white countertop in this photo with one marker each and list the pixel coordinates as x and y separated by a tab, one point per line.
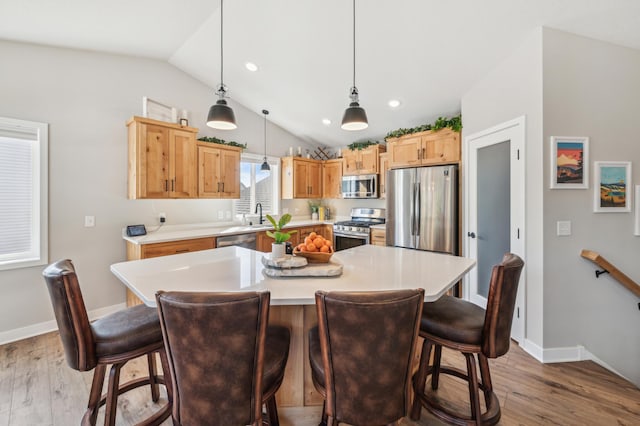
365	268
202	230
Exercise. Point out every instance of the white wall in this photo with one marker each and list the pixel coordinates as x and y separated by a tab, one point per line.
591	89
567	85
87	98
511	90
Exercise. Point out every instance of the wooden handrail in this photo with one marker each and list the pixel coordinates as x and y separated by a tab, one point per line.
615	272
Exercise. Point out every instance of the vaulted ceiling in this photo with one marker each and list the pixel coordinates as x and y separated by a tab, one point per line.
424	53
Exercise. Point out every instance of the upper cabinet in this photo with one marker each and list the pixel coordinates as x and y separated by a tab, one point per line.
424	148
332	178
362	161
301	178
218	171
161	159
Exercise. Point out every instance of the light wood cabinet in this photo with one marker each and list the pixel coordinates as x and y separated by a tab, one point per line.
362	161
146	251
424	148
161	159
301	178
332	178
384	166
218	171
378	237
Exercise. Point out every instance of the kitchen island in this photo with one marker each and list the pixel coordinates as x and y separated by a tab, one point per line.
365	268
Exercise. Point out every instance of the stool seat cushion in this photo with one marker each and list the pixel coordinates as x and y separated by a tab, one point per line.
127	330
453	319
315	357
276	353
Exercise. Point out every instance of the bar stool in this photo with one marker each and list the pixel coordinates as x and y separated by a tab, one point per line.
466	327
361	354
114	339
225	362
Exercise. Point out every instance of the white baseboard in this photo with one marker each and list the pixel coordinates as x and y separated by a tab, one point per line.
47	326
567	354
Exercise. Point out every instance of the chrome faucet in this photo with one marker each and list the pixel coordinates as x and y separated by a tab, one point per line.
261	218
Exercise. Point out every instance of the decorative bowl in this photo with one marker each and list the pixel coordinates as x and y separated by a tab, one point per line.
313	256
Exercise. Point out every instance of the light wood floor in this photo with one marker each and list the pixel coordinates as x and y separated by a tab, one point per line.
38	388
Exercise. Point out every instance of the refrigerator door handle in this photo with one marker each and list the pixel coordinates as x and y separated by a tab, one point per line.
417	210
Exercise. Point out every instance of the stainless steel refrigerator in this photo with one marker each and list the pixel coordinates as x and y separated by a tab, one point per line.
422	208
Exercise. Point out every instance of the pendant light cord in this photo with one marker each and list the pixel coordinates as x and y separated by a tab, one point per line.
354	43
222	44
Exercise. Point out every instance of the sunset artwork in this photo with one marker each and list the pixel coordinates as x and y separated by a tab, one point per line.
569	162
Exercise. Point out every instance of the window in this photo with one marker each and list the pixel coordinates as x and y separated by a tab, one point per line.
23	193
257	186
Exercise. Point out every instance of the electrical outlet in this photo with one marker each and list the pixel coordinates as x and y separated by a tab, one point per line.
162	217
220	214
563	228
89	221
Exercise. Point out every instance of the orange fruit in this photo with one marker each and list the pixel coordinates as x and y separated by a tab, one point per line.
308	241
325	249
311	247
318	242
328	242
313	235
301	246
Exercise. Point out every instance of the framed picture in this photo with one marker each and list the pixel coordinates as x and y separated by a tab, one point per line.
612	186
637	230
569	162
157	111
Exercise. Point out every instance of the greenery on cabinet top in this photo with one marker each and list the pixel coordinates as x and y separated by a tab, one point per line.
222	142
454	123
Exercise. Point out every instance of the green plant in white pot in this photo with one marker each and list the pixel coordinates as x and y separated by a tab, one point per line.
279	236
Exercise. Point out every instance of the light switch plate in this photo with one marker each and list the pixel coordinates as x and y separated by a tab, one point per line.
89	221
564	228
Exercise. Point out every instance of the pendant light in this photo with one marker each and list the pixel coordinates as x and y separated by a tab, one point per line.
354	118
221	115
265	166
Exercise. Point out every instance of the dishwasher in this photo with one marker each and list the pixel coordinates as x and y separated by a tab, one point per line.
241	240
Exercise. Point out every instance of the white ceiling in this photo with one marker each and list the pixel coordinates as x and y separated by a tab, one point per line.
425	53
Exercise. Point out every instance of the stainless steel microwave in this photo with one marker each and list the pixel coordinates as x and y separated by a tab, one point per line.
360	186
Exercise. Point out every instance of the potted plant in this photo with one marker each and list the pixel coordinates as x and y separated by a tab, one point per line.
280	236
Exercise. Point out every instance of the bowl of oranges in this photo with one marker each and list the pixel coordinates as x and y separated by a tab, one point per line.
315	248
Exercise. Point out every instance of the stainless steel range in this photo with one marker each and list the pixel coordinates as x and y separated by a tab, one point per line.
355	232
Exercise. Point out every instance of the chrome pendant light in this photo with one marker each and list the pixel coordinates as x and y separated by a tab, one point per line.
265	166
354	118
221	115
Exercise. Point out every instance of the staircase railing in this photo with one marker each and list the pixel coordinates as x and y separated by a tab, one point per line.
607	267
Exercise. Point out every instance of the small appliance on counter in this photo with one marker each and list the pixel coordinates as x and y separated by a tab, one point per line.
355	232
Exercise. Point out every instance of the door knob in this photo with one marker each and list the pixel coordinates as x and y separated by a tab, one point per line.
471	234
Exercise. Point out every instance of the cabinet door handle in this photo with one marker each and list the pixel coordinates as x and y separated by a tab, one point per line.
218	188
419	151
222	187
173	186
423	157
166	185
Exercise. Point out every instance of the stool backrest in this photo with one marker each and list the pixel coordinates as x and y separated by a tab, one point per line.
367	341
71	315
501	302
215	347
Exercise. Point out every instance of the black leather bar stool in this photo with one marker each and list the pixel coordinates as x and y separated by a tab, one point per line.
466	327
114	339
361	354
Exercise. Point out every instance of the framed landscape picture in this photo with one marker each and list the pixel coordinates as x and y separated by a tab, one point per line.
637	227
612	186
569	162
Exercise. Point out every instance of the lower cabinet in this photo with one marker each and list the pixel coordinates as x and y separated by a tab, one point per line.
263	241
147	251
378	237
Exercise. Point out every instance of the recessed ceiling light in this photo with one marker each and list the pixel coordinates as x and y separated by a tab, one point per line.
394	103
251	66
326	121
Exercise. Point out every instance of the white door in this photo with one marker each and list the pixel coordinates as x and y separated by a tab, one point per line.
494	213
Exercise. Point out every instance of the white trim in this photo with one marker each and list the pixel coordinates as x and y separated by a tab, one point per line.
47	326
567	354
